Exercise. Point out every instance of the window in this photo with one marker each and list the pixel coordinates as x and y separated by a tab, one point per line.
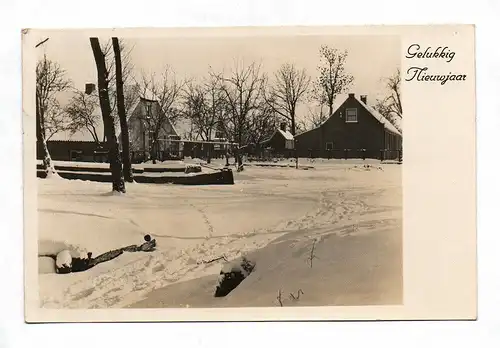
351	115
150	139
76	155
329	146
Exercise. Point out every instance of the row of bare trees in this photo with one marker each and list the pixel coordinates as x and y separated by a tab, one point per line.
246	104
243	104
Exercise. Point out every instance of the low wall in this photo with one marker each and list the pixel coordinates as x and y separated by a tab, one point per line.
105	169
222	177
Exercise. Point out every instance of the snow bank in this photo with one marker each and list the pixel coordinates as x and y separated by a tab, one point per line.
269	215
347	253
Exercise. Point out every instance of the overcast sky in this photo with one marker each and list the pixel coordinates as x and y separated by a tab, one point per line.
370	58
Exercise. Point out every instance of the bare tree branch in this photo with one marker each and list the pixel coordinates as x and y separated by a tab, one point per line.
165	92
242	90
280	301
81	111
391	107
333	78
289	89
50	81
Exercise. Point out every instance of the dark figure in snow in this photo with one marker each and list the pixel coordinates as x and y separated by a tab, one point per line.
150	244
80	265
65	263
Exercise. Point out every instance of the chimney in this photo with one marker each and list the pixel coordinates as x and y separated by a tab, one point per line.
351	95
363	98
283	126
89	88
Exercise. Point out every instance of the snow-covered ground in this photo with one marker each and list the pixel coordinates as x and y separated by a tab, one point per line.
352	215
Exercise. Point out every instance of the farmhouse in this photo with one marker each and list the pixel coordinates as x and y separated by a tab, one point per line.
142	119
280	143
84	148
354	130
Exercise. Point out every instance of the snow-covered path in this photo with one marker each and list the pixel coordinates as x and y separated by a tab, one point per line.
196	224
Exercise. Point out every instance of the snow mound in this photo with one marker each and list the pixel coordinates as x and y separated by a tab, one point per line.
64	259
232	274
240	265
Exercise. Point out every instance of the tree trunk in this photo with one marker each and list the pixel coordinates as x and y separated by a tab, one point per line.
227	155
296	154
152	152
209	152
48	165
120	100
107	118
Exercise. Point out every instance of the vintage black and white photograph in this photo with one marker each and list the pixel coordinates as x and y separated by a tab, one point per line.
218	171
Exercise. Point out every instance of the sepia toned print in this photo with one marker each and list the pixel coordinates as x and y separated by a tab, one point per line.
218	172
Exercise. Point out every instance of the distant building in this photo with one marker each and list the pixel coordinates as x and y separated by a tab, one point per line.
139	120
354	130
280	143
73	150
87	150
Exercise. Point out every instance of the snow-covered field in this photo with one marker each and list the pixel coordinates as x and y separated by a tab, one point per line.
352	216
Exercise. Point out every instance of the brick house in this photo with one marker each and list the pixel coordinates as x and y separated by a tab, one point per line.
354	130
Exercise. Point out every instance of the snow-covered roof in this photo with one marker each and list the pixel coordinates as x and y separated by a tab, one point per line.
340	100
396	120
286	134
387	124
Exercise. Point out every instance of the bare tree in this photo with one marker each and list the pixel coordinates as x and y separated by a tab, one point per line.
109	127
289	89
81	111
314	118
126	62
166	91
55	120
122	115
333	79
261	123
50	80
195	110
204	107
243	89
394	100
391	107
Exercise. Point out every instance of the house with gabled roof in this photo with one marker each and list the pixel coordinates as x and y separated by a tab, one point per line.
140	120
281	142
354	130
81	146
